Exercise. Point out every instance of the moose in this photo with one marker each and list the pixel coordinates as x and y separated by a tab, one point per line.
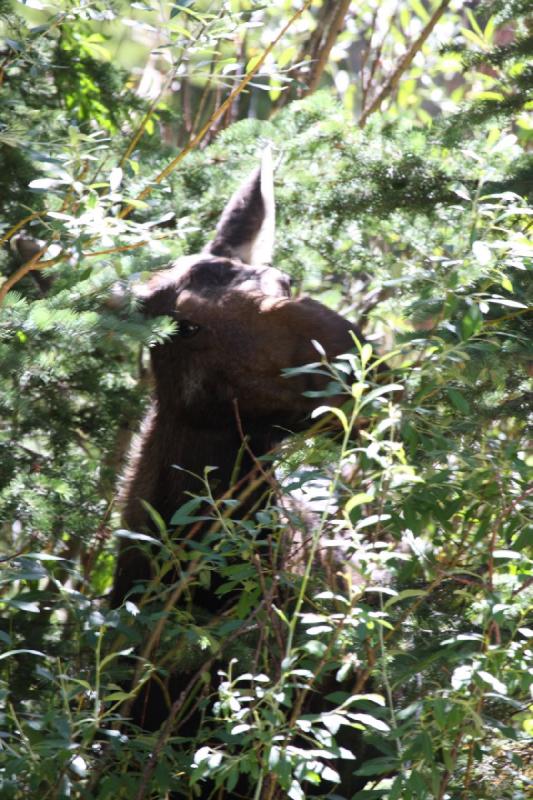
221	397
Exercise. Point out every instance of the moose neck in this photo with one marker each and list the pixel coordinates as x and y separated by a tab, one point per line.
172	458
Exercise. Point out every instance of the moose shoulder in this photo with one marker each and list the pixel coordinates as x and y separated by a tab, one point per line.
221	375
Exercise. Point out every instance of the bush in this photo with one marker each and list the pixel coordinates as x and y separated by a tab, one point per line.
421	638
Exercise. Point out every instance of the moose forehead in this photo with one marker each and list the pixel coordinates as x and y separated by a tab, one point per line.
213	275
210	278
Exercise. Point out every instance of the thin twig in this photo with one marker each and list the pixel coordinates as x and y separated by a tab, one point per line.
118	249
12	231
308	54
403	64
365	57
144	122
22	271
267	474
154	637
12	556
203	97
376	60
155	102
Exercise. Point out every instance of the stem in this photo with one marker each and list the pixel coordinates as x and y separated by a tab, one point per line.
97	675
259	787
321	63
386	681
22	734
30	265
403	64
166	729
317	535
156	633
12	231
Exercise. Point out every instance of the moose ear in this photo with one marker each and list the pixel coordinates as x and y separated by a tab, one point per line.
246	227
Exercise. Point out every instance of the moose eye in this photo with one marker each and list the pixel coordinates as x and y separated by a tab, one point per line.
186	329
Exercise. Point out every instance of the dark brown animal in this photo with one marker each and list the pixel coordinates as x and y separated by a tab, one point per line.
220	377
221	374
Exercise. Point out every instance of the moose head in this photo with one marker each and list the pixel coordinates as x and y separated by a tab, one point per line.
237	326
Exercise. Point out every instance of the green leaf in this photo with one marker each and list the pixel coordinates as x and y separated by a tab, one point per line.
24	605
136	537
493	682
482	252
381	390
315	648
369	721
506	554
252	63
377	766
405	594
45	184
419	10
16	652
459	401
504	301
333	722
357	500
184	515
506	284
337	412
116	696
329	774
471	322
366	354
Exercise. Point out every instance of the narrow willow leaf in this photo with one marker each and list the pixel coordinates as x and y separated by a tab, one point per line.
357	500
16	652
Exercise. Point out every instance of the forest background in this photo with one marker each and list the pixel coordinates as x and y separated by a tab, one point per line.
402	131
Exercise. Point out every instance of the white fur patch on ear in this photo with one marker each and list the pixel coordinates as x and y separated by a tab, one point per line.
263	246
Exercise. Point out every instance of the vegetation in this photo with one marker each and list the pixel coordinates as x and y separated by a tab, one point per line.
410	214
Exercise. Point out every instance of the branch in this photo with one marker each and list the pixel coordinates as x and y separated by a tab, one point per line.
22	271
403	64
315	51
12	231
144	122
334	30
